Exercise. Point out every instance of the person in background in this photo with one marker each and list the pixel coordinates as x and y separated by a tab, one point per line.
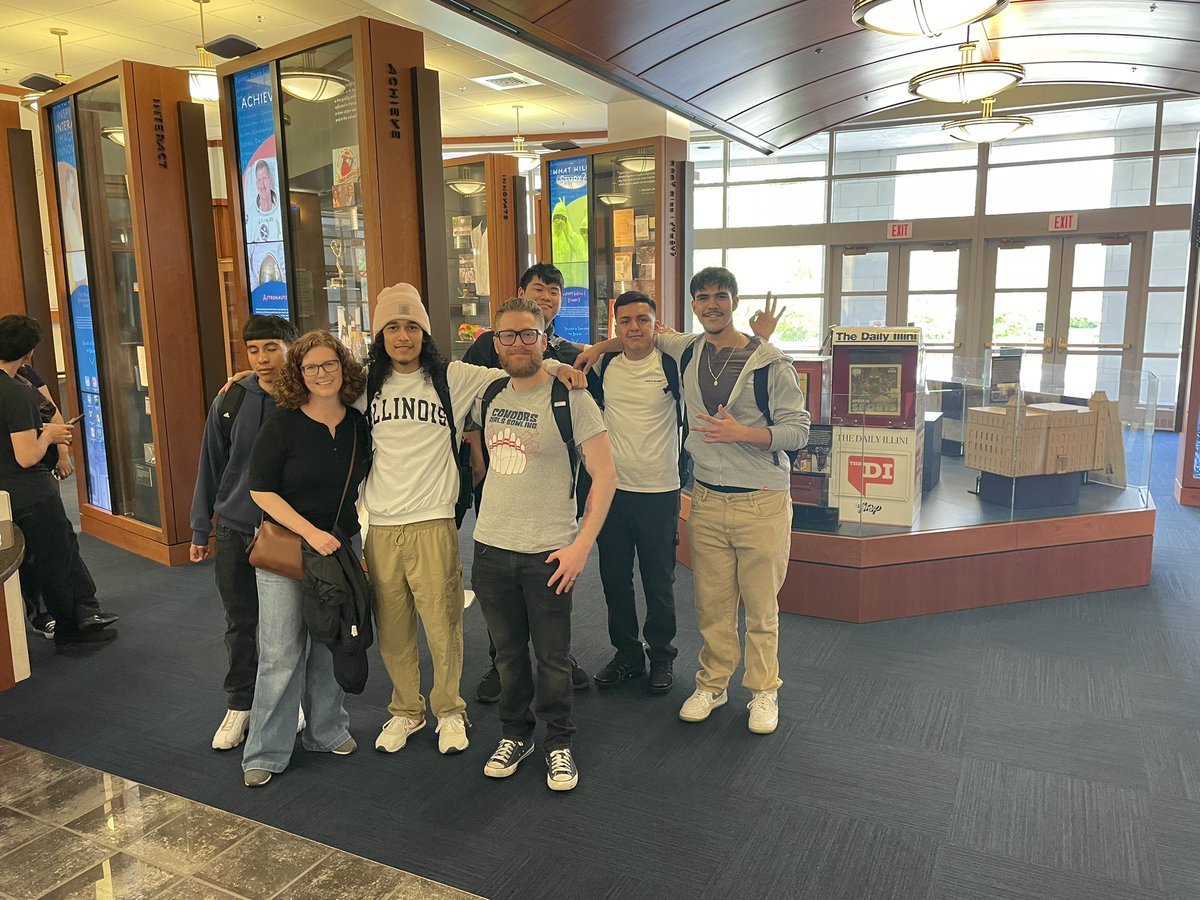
64	582
222	487
305	470
543	284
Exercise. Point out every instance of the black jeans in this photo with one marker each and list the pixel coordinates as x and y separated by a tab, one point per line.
518	607
53	562
645	524
239	594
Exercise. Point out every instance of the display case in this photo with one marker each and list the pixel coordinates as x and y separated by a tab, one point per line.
1058	503
129	180
333	159
614	221
487	240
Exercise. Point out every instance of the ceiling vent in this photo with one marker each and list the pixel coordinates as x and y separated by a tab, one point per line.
506	82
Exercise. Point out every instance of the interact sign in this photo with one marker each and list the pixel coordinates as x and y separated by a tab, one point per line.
1064	221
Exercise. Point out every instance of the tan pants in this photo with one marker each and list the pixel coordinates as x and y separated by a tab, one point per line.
416	569
739	545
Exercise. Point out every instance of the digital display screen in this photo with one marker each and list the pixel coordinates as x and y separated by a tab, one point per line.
262	205
87	367
569	247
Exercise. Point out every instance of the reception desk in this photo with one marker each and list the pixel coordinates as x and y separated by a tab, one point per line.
14	645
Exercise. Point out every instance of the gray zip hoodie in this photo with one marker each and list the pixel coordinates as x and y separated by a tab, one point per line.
223	478
741	465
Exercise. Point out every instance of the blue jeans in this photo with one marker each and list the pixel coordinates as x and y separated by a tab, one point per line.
291	668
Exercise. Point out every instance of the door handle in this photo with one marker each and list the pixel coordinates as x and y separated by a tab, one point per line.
1064	346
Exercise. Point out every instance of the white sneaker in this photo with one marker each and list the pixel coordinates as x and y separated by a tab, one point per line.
233	729
452	734
300	723
700	705
764	711
395	733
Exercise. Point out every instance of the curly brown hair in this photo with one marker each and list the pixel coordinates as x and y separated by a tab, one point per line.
289	389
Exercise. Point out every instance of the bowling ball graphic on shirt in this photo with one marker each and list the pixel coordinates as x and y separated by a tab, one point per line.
507	451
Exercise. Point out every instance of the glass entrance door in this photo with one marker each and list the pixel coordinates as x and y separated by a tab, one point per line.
1066	302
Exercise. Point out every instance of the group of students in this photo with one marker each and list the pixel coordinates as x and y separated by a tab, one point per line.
289	443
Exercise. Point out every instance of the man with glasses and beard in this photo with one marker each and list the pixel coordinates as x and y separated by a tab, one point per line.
529	550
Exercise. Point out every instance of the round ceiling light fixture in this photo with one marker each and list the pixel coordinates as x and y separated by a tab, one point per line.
927	17
986	128
968	81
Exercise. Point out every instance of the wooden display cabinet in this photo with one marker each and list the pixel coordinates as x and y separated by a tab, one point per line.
333	160
612	219
133	248
487	242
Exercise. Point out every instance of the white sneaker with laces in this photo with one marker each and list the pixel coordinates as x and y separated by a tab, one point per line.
764	712
300	723
395	733
700	705
561	773
232	730
507	757
452	734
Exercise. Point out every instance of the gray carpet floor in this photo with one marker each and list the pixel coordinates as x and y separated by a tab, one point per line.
1048	749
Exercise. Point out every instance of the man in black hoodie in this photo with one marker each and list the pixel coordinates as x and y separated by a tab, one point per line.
222	487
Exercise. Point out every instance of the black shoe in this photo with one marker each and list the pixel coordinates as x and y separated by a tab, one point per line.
662	677
579	678
73	638
96	620
489	687
619	670
43	624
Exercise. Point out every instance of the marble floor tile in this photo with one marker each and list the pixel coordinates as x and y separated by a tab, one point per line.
346	877
9	750
184	888
120	877
30	771
73	795
130	816
38	866
263	864
415	888
191	839
17	828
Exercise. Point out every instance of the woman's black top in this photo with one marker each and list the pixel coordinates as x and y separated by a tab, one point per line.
296	457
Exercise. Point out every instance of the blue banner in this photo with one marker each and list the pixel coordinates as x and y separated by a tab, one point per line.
262	206
87	367
568	194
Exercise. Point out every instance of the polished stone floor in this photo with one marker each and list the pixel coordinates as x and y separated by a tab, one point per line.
69	832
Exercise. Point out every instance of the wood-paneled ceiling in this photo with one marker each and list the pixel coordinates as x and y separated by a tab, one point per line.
769	73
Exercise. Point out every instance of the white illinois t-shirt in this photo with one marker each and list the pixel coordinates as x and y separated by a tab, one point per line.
639	412
414	477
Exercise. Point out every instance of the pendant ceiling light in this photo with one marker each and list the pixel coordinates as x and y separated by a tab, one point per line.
927	17
968	81
613	198
114	133
637	162
986	128
30	100
310	82
39	84
202	77
527	160
466	185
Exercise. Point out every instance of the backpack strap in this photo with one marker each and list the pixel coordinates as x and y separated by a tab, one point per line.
595	385
231	403
442	388
490	393
762	398
560	404
685	460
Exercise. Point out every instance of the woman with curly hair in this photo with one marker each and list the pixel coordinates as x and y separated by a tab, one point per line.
298	468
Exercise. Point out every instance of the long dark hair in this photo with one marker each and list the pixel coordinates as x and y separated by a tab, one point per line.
379	365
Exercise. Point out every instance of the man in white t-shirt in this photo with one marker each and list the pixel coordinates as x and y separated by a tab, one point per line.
642	416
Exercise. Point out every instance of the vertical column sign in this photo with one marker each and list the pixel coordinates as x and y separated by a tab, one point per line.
262	210
87	368
568	245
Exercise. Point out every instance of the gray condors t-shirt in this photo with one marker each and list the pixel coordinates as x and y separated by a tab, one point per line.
527	506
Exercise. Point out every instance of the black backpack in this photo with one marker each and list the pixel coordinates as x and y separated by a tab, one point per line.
461	454
672	372
231	403
762	398
560	405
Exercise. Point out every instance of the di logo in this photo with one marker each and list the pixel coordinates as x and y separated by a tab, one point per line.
864	470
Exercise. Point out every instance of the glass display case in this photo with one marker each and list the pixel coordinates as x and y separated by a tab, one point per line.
129	294
486	241
614	222
327	162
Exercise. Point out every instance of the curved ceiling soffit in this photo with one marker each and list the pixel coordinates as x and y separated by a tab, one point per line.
769	103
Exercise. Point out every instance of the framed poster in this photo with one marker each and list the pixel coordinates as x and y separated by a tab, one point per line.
875	389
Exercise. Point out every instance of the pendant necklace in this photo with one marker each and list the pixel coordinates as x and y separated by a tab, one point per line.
716	376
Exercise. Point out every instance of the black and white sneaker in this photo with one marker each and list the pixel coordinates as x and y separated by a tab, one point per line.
561	774
43	624
507	757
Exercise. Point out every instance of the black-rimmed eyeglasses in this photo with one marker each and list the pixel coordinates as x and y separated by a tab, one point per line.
328	367
529	336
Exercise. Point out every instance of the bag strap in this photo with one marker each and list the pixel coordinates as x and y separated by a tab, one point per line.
560	405
762	398
349	472
443	392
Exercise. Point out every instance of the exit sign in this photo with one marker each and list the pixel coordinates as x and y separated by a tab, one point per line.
898	231
1064	222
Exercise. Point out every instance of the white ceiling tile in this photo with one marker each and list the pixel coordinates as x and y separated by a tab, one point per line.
11	15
